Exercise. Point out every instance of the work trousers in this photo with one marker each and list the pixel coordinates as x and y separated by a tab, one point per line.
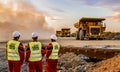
51	65
14	66
35	66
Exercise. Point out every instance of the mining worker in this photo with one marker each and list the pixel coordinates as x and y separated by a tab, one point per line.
15	53
52	55
34	52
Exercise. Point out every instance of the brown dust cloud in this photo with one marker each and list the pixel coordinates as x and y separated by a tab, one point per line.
25	19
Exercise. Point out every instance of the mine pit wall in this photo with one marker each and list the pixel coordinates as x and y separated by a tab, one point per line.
96	53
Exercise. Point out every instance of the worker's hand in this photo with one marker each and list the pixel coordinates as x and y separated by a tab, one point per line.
26	62
21	62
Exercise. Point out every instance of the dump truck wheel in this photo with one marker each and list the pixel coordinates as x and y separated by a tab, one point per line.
77	36
81	36
100	38
92	38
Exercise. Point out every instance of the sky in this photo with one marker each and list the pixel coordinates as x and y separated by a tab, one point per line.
64	13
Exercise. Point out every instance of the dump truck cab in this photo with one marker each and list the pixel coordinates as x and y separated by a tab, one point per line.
94	32
92	28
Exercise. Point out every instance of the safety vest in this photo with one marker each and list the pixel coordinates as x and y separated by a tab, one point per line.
12	50
54	54
35	48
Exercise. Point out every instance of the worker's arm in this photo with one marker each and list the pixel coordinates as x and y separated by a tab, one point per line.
6	49
49	50
27	53
43	51
21	52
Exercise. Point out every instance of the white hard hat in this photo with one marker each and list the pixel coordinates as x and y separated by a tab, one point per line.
34	34
53	37
16	34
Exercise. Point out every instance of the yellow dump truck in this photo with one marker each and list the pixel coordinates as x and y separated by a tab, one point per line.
92	28
65	32
58	33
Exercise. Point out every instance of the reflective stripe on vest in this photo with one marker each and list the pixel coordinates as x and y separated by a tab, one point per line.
54	54
12	50
35	48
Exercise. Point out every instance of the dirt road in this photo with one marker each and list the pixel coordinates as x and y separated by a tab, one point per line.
71	42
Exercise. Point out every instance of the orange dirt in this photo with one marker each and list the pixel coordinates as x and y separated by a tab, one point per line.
109	65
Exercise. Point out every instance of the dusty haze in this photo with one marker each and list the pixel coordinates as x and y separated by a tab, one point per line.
24	18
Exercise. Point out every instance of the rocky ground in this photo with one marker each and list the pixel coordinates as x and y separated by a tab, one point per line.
71	62
3	61
68	62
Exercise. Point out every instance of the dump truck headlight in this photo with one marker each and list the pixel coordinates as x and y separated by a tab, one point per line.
90	33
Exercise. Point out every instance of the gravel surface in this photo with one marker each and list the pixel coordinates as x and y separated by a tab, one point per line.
68	62
71	62
3	62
